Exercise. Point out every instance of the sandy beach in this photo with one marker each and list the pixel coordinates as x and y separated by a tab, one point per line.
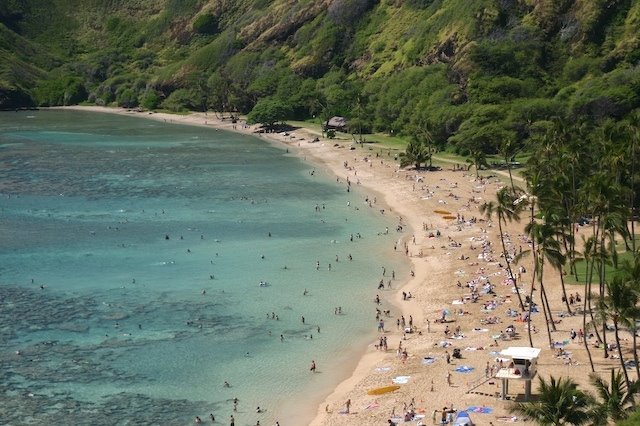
451	247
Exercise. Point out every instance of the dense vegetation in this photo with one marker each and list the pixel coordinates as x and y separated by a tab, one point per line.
473	74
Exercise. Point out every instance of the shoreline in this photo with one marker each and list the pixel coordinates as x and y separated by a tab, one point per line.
463	250
367	358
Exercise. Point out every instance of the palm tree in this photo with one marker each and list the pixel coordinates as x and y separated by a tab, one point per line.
416	153
508	150
607	205
630	272
478	159
559	403
618	304
506	209
545	248
422	133
557	220
589	243
616	398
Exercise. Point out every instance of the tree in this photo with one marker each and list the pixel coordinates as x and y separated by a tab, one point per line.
416	153
630	271
616	398
508	150
268	111
632	420
545	248
127	98
559	403
506	209
421	132
182	99
206	24
619	304
478	160
150	99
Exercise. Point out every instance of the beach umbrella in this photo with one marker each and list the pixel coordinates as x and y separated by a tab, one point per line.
463	419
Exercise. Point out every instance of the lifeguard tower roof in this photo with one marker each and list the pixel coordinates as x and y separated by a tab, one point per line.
521	352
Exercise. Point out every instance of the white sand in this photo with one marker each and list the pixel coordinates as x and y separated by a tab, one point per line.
433	288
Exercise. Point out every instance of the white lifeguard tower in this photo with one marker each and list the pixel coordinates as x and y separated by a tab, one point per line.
520	365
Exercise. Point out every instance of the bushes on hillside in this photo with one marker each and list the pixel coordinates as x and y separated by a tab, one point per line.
206	24
63	90
269	111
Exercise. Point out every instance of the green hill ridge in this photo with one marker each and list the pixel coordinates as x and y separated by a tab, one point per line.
482	70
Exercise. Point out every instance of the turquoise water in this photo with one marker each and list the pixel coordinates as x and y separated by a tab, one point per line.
111	230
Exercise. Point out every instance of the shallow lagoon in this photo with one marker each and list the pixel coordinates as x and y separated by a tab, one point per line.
124	222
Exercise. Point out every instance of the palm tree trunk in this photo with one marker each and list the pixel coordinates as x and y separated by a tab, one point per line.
513	187
533	278
633	197
564	292
584	327
506	259
601	297
590	307
545	300
589	280
624	370
546	318
634	329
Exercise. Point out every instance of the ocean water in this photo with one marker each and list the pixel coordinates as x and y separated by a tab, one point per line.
131	256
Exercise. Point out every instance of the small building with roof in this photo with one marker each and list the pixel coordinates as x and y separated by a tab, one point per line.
519	363
337	123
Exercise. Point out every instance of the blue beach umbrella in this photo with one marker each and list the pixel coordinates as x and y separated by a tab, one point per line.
463	419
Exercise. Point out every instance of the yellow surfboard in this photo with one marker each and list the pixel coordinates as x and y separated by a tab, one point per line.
386	389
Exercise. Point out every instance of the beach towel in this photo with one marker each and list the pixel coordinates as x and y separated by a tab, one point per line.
401	380
464	369
382	369
507	419
428	360
480	410
371	406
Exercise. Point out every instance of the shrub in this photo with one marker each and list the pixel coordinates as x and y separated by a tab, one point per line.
206	24
127	98
150	99
268	111
181	100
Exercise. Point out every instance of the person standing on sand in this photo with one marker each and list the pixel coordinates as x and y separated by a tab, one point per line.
313	367
347	406
449	378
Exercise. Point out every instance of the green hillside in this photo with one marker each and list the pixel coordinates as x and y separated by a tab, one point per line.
475	70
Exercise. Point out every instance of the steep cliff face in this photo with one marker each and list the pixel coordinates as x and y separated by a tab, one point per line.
350	57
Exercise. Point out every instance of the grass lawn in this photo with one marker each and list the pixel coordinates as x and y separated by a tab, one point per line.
581	266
